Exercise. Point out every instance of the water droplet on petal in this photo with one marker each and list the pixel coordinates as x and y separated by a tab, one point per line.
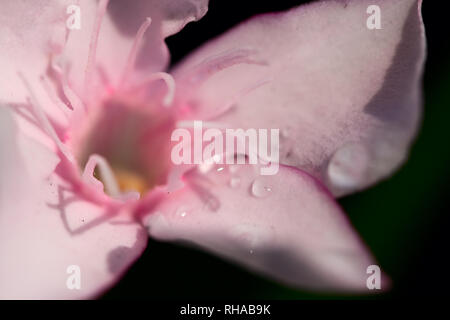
260	189
235	182
220	169
212	203
181	212
156	222
205	167
348	166
234	168
251	236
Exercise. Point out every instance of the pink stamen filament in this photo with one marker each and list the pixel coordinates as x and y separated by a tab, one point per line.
51	93
134	50
101	10
44	122
106	174
170	83
71	96
108	179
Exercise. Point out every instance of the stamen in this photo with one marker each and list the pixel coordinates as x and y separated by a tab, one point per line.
108	179
106	174
44	122
52	95
213	65
170	83
134	50
101	10
75	101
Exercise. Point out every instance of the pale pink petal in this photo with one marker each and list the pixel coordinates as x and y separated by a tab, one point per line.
285	226
30	32
117	34
173	14
346	98
45	228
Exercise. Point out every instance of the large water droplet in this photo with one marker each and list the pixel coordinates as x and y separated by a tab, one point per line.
260	189
348	167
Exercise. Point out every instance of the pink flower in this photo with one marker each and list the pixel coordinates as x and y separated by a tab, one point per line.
346	98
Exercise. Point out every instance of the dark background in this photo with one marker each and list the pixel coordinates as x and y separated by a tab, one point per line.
404	220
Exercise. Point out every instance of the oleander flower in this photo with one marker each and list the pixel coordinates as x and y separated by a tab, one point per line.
87	117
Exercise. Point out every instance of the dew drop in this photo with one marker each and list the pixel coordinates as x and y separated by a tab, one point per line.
234	168
260	189
235	182
181	212
156	222
220	169
205	167
250	237
212	203
348	167
284	133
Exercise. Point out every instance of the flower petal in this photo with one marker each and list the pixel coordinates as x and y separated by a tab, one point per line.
39	25
173	14
346	98
286	226
45	228
117	35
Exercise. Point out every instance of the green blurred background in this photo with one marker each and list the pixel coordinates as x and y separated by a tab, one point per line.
403	220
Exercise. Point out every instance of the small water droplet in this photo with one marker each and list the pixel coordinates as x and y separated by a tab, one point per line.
260	189
156	222
212	203
82	220
181	212
205	167
250	236
284	133
235	182
220	169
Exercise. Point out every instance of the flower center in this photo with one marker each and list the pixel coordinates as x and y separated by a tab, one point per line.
134	140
